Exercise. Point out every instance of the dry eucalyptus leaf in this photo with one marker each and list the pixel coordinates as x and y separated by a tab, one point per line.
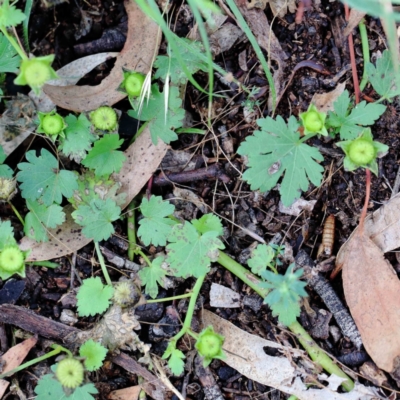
13	358
372	291
382	227
70	74
17	122
129	393
142	159
354	19
324	101
143	39
245	353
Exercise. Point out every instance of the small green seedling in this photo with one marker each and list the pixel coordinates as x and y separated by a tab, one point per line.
93	354
51	124
209	345
285	295
93	297
133	83
35	72
362	152
313	121
104	118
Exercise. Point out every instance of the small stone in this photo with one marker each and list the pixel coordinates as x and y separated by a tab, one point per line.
68	317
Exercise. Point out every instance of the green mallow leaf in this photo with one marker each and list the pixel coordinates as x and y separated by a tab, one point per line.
350	123
41	217
41	177
286	292
278	151
176	358
93	353
190	253
155	227
104	158
96	218
93	297
153	276
161	120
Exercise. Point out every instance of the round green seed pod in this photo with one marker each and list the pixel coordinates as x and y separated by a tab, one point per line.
70	372
313	122
37	72
209	344
104	118
133	84
11	259
361	152
52	124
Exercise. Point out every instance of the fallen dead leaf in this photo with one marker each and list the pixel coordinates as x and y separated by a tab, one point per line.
372	291
70	74
324	101
245	353
354	19
13	358
142	159
382	227
143	39
130	393
17	122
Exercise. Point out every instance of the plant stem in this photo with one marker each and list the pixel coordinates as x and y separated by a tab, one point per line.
306	137
319	356
365	51
182	296
102	264
352	58
315	352
189	314
238	15
14	43
57	350
206	43
47	264
16	213
131	229
242	273
366	201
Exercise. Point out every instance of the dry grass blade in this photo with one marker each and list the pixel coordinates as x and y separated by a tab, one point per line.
372	292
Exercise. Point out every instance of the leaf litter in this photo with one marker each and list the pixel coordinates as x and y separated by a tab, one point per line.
371	286
247	354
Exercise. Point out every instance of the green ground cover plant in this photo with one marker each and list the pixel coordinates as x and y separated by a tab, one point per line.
280	151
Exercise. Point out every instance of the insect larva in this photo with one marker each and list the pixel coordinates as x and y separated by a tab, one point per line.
328	235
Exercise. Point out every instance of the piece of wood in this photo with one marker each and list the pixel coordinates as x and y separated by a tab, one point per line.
37	324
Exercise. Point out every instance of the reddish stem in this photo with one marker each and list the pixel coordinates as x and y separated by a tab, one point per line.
352	59
366	202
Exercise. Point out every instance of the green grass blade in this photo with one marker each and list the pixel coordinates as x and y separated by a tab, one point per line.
25	23
242	23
